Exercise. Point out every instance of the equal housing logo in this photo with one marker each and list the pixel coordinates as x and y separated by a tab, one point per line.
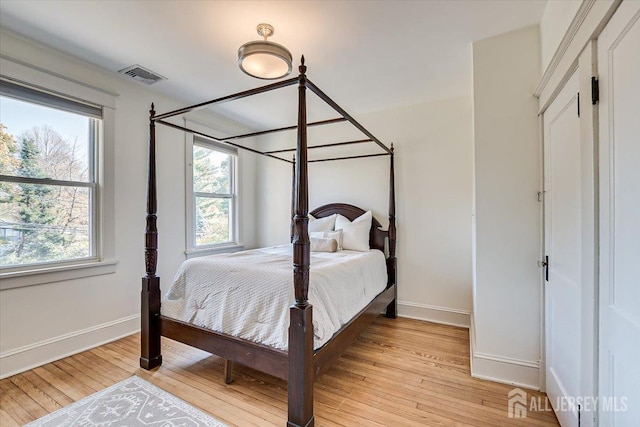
520	403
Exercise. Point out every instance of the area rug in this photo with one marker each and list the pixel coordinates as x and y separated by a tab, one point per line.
131	403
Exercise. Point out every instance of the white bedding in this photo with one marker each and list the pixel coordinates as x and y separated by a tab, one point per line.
248	294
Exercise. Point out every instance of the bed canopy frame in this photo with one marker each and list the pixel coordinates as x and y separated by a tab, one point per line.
300	365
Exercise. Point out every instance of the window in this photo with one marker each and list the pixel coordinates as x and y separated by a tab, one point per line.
48	201
214	195
84	244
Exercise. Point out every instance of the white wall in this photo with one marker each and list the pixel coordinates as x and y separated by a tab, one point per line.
507	282
44	322
556	19
433	191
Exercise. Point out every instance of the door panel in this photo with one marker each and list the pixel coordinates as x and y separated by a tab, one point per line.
619	70
563	206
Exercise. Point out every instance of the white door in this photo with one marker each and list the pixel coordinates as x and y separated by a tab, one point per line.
619	74
563	287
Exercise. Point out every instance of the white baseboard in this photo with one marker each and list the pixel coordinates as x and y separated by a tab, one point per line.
432	313
515	372
37	354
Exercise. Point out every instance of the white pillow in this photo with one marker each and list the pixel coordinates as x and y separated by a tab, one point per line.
355	235
322	224
336	235
323	245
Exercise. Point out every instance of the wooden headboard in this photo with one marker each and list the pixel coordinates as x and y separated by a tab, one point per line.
376	236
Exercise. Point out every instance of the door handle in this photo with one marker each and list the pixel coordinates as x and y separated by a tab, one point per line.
546	268
545	264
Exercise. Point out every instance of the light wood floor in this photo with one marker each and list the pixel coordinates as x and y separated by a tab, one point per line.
400	373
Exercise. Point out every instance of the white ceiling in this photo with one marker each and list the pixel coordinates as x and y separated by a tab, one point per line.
366	55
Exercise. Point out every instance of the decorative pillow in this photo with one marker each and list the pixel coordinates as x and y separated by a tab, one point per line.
335	235
323	245
355	235
322	224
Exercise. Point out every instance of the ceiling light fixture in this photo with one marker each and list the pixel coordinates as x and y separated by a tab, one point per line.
264	59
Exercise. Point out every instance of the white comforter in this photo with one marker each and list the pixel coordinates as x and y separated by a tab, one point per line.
248	294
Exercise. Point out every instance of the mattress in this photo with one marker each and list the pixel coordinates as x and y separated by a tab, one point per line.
248	294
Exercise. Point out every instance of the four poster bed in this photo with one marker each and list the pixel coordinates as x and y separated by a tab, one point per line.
300	362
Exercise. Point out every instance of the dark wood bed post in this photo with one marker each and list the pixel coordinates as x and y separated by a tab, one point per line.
300	376
293	196
392	309
150	356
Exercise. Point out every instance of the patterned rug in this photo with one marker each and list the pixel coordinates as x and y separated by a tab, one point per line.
132	402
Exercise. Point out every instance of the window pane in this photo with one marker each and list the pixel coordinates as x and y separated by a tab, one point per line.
42	142
212	221
211	171
43	223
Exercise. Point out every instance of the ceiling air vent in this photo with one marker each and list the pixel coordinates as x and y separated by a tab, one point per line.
141	74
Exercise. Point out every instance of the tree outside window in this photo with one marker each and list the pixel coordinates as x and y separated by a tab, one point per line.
47	183
214	199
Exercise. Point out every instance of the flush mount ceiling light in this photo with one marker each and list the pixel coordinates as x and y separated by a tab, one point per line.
264	59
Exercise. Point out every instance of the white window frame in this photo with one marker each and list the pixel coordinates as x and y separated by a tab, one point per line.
235	243
94	113
103	259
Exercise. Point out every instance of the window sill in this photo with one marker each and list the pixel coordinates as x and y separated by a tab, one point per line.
59	273
194	253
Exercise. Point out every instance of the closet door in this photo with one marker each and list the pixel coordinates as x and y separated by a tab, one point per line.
563	246
619	73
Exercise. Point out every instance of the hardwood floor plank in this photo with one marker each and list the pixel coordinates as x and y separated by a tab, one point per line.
56	395
6	420
35	393
396	399
88	377
101	367
18	404
400	372
449	404
64	382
